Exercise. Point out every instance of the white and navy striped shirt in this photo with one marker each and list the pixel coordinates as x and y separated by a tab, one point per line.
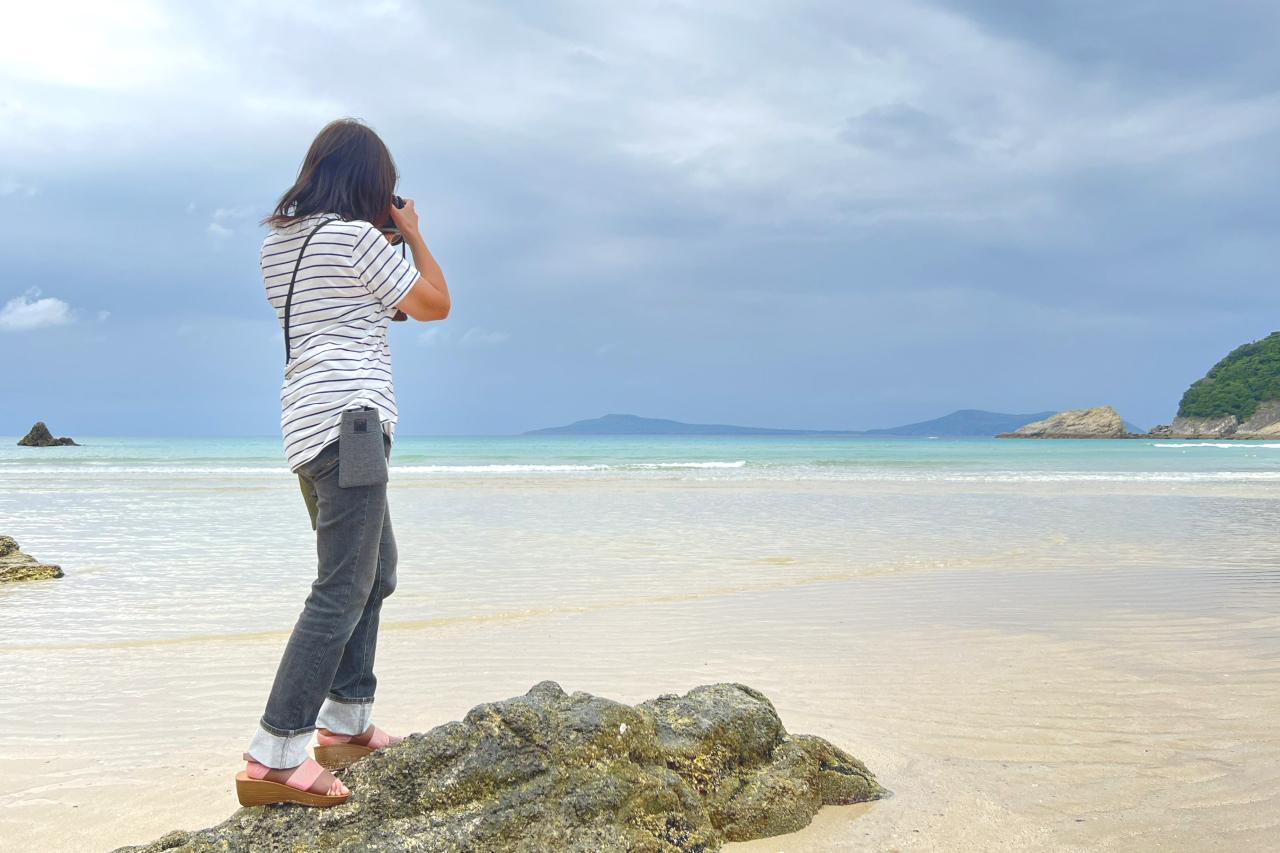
348	286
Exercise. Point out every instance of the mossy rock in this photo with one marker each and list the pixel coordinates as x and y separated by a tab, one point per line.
16	566
572	773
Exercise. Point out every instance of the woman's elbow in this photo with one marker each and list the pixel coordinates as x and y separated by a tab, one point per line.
436	310
426	306
427	313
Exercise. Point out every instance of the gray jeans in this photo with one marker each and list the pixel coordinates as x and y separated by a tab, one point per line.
326	675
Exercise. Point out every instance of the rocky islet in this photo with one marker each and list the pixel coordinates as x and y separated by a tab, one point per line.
1098	422
39	436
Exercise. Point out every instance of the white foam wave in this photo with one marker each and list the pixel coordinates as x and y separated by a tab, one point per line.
738	464
188	470
1121	476
1227	444
169	470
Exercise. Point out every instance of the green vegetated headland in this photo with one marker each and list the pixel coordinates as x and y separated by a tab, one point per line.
1249	375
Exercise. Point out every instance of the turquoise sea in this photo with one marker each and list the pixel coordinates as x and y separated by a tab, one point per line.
165	538
738	457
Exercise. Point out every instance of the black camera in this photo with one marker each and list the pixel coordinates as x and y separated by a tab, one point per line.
390	227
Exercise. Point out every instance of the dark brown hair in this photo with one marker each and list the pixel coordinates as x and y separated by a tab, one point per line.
348	171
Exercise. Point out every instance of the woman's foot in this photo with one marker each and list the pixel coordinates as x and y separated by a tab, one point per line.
337	751
372	737
308	783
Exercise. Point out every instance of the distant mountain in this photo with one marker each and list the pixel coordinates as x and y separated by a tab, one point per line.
636	425
966	422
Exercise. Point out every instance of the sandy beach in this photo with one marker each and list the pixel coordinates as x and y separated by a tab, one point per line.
1042	667
911	366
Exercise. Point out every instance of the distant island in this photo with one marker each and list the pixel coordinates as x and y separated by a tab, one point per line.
962	423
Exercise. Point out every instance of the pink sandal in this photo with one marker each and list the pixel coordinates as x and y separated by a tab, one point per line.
308	784
336	751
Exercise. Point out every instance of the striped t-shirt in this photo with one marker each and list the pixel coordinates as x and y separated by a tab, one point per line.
348	286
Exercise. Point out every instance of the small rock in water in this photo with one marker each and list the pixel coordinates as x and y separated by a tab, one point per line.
39	436
550	771
17	566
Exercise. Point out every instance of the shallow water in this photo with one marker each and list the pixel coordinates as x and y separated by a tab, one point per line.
1013	634
164	540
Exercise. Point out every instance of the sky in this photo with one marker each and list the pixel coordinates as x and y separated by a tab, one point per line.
802	214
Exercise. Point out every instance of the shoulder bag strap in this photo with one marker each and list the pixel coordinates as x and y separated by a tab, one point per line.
288	300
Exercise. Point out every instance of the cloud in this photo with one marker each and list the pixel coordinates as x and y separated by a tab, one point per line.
15	187
434	336
782	188
826	112
478	337
226	217
28	311
900	129
475	336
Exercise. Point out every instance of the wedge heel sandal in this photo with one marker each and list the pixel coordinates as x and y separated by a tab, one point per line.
339	756
252	791
337	751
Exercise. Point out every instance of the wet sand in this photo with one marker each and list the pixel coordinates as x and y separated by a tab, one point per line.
1018	711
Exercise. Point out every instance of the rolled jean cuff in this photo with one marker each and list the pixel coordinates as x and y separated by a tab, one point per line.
345	716
280	750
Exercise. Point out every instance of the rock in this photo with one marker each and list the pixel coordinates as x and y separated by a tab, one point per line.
17	566
1161	431
1223	427
1263	423
39	436
567	773
1098	422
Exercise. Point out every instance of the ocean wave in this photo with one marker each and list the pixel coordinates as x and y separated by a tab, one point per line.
741	463
513	468
821	470
1118	476
520	468
1227	444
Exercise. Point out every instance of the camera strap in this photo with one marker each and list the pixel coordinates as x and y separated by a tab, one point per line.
288	300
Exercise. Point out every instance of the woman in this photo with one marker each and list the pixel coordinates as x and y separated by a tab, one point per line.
336	283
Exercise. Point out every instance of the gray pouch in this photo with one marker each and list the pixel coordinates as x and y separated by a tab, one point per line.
362	457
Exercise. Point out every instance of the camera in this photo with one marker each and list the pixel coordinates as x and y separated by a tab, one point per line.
390	227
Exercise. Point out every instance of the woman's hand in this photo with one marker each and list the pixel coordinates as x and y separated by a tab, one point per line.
406	219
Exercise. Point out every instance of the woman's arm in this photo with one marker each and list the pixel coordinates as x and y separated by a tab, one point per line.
429	298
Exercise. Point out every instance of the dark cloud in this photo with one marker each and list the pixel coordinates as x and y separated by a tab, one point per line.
900	129
813	215
1147	42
